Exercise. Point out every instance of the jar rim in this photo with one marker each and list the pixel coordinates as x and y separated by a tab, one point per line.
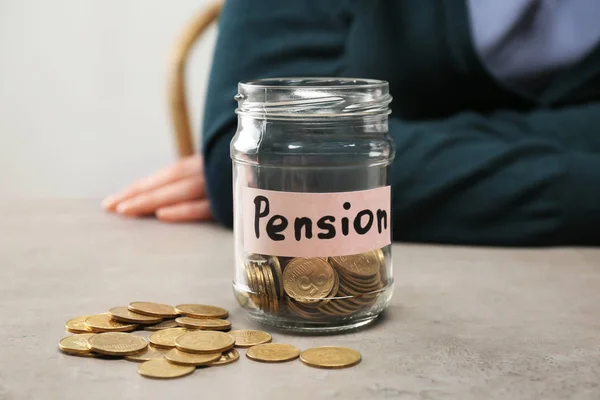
313	97
313	82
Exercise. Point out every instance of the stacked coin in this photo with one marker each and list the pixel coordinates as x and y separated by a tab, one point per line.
315	288
359	282
265	281
179	344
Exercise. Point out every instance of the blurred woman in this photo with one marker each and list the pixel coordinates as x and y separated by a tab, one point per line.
496	112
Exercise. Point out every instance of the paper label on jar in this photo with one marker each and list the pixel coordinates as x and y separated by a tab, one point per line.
296	224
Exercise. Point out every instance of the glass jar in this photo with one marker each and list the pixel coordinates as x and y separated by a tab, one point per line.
312	220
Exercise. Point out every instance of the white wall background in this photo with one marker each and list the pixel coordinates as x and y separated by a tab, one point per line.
83	105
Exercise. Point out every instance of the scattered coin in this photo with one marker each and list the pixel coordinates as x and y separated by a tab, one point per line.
104	323
182	358
227	358
202	342
117	343
273	352
330	357
123	314
168	323
204	323
162	369
77	325
153	309
165	338
249	338
150	353
76	344
177	346
201	311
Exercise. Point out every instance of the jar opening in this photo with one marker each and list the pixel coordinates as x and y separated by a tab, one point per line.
322	97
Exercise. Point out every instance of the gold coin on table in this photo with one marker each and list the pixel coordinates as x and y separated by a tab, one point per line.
273	352
77	325
201	311
364	265
204	323
76	344
182	358
169	323
227	358
150	353
117	343
162	369
153	309
104	323
202	342
330	357
249	338
123	314
308	279
165	338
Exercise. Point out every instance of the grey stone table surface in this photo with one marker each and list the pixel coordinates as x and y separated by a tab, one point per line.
464	323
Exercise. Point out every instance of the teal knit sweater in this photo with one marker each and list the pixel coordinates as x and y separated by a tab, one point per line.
476	163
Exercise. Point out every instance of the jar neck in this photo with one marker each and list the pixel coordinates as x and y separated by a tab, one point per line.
313	98
371	125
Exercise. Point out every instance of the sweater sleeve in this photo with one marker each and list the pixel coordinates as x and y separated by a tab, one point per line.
508	178
502	179
262	39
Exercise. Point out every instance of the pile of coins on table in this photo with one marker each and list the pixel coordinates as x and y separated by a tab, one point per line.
184	337
315	288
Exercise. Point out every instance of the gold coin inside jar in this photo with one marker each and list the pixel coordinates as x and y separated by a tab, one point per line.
330	357
273	352
308	279
117	343
202	342
364	265
162	369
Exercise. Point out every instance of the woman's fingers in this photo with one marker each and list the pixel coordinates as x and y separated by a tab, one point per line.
183	212
183	190
186	167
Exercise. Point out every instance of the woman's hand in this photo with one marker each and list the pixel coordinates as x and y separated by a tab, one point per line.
174	194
